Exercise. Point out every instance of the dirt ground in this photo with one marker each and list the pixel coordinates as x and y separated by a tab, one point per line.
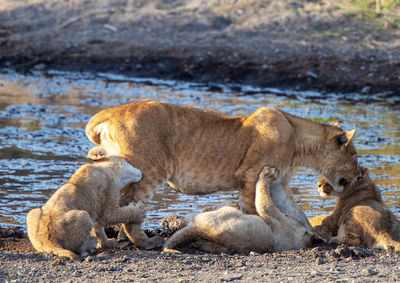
321	263
300	44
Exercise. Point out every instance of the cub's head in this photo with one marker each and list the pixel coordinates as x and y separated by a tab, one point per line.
339	157
327	191
122	172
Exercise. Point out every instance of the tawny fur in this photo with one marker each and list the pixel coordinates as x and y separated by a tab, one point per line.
89	200
202	152
229	230
359	218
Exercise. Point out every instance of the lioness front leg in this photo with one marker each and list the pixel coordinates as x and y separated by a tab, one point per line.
141	191
104	242
131	213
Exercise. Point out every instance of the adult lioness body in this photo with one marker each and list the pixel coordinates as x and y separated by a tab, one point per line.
201	152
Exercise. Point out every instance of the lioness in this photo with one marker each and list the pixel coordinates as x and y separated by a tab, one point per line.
90	199
201	152
228	230
359	218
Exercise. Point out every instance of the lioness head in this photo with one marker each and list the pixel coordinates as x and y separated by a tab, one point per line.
342	166
327	191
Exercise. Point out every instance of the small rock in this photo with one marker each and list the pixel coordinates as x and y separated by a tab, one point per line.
39	67
369	271
359	253
312	74
366	89
240	263
334	254
343	251
320	261
57	262
123	259
254	254
233	278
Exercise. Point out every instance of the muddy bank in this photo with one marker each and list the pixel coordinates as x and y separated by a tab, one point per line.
322	263
296	44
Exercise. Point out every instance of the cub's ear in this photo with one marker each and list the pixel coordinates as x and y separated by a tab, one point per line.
344	138
97	154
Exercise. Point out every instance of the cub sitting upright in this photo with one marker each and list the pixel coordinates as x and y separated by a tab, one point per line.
229	230
359	218
90	199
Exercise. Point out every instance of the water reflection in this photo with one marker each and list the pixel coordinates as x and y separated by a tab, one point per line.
42	137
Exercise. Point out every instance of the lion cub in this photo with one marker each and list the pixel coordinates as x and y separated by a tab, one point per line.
89	200
228	230
359	218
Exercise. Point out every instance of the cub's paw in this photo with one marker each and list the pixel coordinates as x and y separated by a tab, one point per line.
96	153
139	209
269	173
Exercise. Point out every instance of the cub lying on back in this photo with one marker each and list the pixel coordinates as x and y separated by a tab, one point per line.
90	199
228	230
359	218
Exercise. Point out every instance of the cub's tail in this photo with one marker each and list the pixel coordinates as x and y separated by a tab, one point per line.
38	225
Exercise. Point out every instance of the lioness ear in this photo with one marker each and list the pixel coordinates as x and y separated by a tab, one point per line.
350	135
344	138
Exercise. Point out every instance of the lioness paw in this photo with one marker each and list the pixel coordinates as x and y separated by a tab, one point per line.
269	172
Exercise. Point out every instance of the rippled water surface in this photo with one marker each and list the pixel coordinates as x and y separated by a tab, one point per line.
43	141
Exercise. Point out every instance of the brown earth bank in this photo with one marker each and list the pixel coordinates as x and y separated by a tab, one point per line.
322	263
299	44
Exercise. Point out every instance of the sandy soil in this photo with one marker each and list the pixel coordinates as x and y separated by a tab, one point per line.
301	44
321	263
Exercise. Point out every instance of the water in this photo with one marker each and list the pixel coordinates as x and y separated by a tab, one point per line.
43	141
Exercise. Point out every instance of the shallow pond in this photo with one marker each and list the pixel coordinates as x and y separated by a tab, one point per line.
43	141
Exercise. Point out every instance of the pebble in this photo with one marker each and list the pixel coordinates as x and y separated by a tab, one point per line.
320	261
57	262
369	271
365	89
343	251
359	253
254	254
233	278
